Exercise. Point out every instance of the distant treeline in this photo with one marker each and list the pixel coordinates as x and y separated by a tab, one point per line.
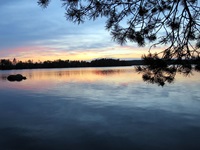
6	64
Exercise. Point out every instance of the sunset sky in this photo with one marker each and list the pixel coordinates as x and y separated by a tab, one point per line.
28	31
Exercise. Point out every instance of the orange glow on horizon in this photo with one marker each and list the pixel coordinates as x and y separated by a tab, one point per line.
43	79
44	53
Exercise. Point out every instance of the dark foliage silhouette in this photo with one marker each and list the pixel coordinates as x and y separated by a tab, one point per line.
173	23
104	62
159	71
5	64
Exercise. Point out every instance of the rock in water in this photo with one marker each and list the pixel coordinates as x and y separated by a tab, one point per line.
17	77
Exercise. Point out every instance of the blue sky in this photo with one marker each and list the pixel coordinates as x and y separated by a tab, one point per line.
31	32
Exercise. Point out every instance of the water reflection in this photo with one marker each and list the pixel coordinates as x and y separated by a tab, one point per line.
108	72
164	74
68	74
159	71
97	108
51	77
65	73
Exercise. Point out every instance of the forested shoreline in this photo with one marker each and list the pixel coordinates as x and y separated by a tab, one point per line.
6	64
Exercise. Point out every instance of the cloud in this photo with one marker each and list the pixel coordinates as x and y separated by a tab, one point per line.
28	30
25	23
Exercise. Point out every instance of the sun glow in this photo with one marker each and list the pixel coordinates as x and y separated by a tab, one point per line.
37	54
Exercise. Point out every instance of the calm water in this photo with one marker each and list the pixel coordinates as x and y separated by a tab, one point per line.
98	109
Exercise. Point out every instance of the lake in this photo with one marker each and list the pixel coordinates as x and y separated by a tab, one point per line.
98	109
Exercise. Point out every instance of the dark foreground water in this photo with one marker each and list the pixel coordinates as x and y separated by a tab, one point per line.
98	109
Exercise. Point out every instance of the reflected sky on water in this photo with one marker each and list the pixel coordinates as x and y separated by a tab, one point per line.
98	108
